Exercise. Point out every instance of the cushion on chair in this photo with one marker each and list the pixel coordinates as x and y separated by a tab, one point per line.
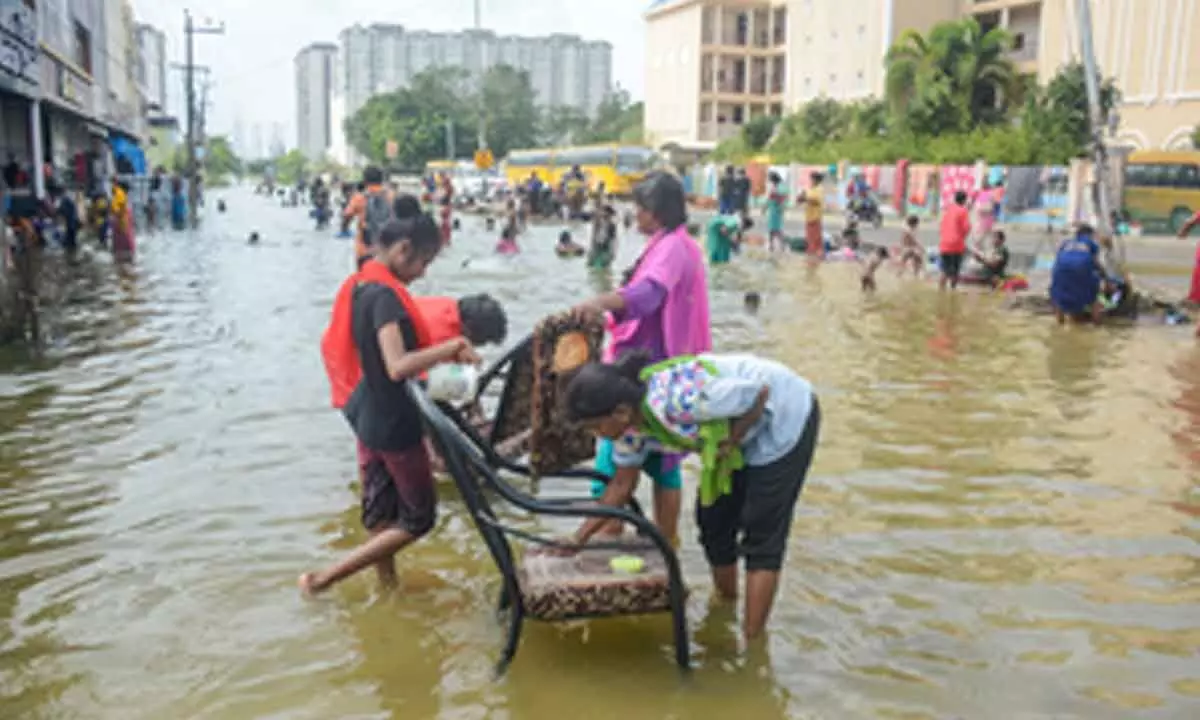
561	344
585	585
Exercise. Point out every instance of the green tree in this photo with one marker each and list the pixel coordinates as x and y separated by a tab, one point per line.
817	122
1056	116
440	105
509	104
757	133
257	168
562	124
1196	138
617	119
291	168
951	80
220	161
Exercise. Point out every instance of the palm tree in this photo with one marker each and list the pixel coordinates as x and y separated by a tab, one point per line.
952	79
984	70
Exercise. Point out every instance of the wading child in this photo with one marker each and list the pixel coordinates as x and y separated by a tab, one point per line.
870	267
911	253
775	202
604	239
386	329
755	425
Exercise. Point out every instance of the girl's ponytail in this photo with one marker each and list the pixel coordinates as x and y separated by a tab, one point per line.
631	364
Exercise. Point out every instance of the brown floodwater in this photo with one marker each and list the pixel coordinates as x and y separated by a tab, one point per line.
1002	522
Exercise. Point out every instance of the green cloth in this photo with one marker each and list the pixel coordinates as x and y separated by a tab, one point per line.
716	474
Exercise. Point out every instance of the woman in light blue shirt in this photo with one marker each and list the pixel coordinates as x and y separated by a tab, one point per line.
755	424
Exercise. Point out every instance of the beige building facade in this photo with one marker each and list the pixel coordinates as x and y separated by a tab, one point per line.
712	65
1150	47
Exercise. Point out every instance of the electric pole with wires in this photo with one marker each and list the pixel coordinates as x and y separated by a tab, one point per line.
190	30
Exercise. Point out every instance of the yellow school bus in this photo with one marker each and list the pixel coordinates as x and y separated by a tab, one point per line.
619	167
1162	188
436	167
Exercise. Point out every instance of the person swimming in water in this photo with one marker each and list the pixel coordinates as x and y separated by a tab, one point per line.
567	247
508	241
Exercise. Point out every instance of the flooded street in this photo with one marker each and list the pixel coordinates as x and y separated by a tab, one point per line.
1003	520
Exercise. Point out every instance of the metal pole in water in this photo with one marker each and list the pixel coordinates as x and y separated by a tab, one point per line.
1098	123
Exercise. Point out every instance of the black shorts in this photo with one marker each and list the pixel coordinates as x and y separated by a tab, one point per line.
760	508
397	489
952	264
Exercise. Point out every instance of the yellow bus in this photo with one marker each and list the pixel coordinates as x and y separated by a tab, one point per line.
1162	188
434	167
619	167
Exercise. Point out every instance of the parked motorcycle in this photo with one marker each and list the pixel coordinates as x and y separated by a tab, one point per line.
865	210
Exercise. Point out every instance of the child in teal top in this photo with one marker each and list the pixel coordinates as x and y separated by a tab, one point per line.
755	424
776	199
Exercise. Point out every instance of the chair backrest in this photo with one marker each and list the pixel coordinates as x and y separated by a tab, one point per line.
513	415
555	443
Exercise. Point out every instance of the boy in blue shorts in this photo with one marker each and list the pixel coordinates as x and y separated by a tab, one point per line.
623	460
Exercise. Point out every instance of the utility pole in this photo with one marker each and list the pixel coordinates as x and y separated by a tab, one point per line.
1098	124
189	32
482	139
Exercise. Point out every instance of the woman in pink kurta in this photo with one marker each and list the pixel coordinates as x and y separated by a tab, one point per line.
662	308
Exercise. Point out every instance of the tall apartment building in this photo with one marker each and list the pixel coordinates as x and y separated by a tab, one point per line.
712	65
563	69
1150	47
314	94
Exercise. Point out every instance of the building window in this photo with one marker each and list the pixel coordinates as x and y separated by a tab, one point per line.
83	48
739	114
1018	42
706	112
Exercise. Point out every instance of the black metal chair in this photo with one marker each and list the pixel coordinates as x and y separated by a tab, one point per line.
553	589
511	419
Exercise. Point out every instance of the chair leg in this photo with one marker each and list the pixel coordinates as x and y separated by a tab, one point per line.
514	639
679	620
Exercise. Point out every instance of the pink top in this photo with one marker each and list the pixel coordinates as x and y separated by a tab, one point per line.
672	260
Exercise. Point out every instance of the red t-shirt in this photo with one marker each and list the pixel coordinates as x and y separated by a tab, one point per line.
956	226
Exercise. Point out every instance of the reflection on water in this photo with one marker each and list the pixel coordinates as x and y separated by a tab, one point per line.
1002	520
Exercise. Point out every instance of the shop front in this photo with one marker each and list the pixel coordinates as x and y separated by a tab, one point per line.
75	144
19	77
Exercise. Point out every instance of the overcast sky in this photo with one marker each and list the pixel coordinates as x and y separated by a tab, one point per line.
252	62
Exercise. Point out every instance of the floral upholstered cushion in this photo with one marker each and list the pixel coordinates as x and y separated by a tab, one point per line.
554	443
585	585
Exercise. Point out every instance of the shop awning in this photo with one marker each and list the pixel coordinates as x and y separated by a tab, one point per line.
125	148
